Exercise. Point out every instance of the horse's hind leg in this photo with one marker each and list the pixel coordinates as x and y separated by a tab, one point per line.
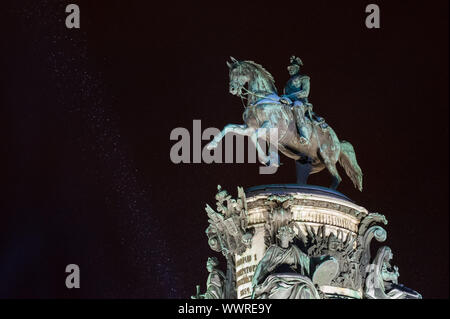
336	179
331	166
329	157
303	168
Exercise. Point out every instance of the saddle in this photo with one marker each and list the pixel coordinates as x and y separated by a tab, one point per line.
315	119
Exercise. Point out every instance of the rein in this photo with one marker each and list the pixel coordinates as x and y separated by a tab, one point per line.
247	92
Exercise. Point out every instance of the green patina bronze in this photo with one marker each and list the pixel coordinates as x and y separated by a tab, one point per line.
308	242
302	135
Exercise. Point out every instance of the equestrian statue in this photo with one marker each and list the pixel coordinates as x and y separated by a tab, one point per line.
302	135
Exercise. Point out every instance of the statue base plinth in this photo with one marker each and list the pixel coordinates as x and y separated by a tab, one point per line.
313	210
300	241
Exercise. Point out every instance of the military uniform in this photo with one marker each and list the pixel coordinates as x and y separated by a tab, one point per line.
296	92
297	89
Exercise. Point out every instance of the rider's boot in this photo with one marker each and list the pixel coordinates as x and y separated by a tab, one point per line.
317	118
323	125
319	121
303	132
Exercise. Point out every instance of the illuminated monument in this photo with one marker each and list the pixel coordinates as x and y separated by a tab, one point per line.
295	241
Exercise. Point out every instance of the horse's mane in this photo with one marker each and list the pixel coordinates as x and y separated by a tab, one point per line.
263	71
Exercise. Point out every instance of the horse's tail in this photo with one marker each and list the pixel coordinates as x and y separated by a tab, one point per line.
347	159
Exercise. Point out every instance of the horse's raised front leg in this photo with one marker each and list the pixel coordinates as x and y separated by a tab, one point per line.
240	129
267	133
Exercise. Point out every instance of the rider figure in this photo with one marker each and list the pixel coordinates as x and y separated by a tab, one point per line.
297	89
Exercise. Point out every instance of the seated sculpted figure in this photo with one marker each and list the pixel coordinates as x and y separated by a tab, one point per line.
285	271
382	279
214	284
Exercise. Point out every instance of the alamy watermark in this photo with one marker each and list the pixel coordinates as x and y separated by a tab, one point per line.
73	19
73	279
373	19
189	148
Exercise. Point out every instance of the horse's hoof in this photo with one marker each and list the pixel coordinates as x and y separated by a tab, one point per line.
274	161
272	164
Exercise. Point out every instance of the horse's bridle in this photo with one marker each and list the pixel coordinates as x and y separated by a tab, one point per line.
248	92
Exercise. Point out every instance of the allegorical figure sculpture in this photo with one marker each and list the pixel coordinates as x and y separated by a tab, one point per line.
382	279
215	282
294	283
228	232
317	150
315	254
285	272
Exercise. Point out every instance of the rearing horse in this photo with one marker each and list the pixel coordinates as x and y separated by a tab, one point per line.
264	111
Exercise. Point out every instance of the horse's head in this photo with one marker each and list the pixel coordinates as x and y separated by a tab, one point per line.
253	74
239	76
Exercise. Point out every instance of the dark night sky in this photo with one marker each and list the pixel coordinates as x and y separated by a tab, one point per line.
88	114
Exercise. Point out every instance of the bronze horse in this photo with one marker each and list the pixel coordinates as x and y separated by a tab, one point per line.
264	111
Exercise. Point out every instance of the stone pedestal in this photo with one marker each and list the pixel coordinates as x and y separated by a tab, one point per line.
313	210
329	232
